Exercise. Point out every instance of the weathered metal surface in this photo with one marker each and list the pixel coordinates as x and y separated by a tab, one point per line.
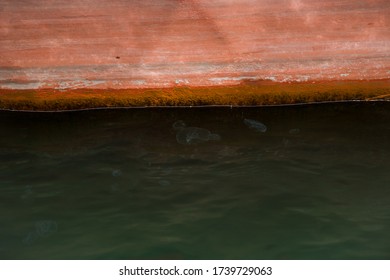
64	45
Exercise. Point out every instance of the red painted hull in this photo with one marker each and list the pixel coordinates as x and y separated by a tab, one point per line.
146	43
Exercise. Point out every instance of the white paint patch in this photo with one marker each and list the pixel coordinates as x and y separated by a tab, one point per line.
181	81
287	79
271	78
344	75
138	82
77	84
227	79
35	85
302	78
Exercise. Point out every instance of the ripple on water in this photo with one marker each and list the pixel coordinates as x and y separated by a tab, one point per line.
164	183
45	228
116	173
294	131
255	125
28	193
193	135
178	125
30	238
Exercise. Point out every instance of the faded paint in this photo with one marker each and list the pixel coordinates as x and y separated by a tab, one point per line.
147	43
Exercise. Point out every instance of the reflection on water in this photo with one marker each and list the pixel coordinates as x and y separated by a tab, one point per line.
304	182
257	126
193	135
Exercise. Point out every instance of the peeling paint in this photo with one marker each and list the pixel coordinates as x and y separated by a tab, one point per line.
139	82
226	79
271	78
181	81
77	84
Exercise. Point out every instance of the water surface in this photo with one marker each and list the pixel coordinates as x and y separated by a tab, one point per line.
313	183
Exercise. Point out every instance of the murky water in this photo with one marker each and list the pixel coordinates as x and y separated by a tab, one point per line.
303	182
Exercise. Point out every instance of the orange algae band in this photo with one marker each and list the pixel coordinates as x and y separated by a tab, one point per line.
245	94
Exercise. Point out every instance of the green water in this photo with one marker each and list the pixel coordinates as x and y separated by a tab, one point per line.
122	184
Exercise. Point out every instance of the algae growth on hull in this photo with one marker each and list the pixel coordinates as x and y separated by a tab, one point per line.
246	94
